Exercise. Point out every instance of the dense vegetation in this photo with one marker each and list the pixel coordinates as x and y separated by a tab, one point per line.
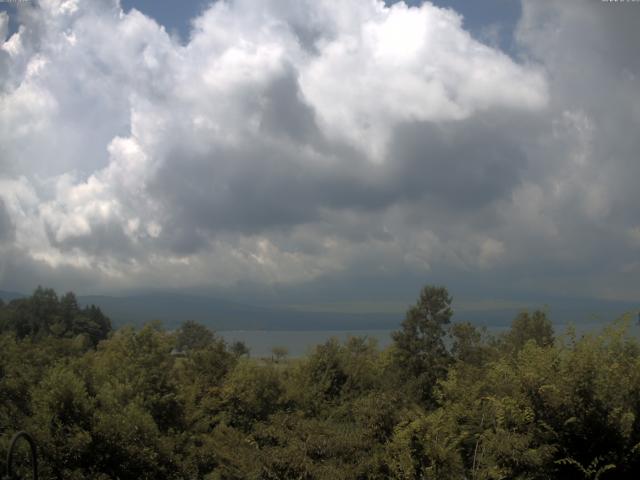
444	401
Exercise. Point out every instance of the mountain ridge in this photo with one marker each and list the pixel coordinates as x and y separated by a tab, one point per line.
172	309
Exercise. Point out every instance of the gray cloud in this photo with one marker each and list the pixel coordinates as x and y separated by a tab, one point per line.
7	229
298	145
464	164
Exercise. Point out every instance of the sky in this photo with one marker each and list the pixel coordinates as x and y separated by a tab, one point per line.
321	152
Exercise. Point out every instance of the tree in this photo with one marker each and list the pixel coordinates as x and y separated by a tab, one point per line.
420	351
470	345
239	349
43	315
279	353
324	373
44	308
92	322
525	327
250	393
194	336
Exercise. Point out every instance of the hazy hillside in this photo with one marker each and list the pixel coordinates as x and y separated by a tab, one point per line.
8	296
173	309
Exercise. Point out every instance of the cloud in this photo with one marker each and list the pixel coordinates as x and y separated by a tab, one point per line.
418	65
294	141
7	229
580	189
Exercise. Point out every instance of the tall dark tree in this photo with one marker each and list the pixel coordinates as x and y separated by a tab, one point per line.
469	345
420	352
43	315
194	336
239	349
527	326
97	324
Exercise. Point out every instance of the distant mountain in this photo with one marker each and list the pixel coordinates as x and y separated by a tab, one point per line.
173	309
562	311
8	296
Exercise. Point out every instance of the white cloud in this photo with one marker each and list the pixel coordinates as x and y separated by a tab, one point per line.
404	64
290	140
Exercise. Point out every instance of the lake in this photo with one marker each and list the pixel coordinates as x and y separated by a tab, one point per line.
300	342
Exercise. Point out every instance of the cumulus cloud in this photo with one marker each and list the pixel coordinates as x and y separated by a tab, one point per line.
7	231
289	141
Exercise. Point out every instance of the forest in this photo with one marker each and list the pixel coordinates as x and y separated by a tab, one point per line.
445	400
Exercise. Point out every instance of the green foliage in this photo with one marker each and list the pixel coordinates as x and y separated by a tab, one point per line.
426	447
250	394
279	353
239	349
420	351
43	315
526	327
193	336
526	405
